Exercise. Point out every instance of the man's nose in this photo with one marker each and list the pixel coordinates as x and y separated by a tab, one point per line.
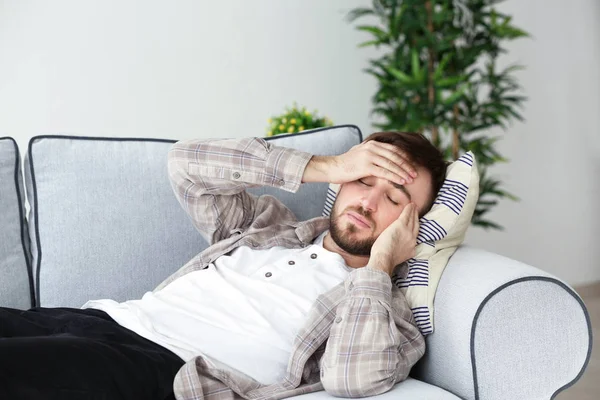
369	202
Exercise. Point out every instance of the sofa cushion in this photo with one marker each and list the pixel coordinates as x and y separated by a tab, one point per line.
15	268
441	230
410	388
106	222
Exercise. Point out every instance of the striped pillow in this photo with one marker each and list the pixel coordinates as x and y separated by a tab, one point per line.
442	230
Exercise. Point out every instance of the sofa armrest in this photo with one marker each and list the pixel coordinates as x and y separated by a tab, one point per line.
504	330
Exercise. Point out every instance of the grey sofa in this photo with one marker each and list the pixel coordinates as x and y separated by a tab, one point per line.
105	224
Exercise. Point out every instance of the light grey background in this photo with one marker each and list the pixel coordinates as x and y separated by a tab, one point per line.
219	69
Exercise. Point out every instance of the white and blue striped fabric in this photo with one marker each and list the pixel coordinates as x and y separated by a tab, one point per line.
442	230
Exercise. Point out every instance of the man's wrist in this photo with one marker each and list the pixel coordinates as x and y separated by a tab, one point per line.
317	169
381	263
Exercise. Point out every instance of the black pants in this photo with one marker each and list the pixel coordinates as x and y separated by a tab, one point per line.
73	354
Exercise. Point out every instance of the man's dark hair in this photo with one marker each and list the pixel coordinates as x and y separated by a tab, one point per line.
420	152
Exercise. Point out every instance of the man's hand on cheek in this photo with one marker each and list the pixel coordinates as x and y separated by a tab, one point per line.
397	242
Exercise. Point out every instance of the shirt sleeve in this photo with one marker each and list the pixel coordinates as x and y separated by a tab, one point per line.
209	178
374	341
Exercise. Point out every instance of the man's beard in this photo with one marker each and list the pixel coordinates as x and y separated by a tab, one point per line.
343	237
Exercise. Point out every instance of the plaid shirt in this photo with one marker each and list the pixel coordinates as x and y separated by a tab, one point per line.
360	337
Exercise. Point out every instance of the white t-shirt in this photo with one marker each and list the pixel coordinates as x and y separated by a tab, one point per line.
243	310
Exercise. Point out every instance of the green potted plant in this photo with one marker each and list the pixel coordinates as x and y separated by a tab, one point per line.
294	120
438	74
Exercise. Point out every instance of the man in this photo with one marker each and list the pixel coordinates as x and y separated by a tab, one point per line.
273	308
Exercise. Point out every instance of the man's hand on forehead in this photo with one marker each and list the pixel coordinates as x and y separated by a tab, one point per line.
372	158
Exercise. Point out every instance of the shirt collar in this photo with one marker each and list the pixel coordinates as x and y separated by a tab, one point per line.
308	230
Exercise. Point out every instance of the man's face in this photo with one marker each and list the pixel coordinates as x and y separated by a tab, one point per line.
378	203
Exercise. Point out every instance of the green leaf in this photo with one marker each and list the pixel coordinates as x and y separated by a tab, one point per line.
377	32
401	76
416	69
487	224
450	82
516	114
454	97
487	202
371	43
514	99
439	70
512	68
357	13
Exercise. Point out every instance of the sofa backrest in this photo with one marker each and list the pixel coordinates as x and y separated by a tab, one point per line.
15	268
106	224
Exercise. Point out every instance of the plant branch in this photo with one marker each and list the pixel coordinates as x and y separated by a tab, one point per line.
430	65
455	135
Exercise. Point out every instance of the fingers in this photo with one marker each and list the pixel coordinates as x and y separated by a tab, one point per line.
406	216
392	158
384	173
416	224
390	170
410	218
411	221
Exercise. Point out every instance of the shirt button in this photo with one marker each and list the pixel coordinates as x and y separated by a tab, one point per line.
338	320
236	175
281	182
268	274
291	262
313	256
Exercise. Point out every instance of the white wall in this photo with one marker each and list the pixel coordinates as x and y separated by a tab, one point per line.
555	155
176	69
182	69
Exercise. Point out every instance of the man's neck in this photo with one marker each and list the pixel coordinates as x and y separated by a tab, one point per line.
351	260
